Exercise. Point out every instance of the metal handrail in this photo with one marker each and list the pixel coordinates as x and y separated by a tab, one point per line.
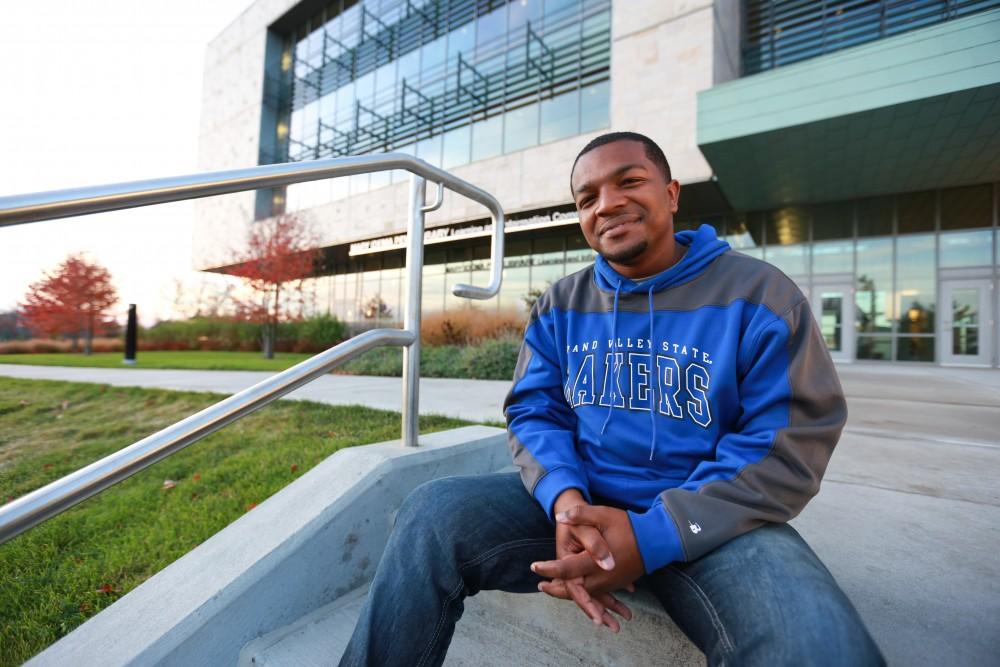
44	503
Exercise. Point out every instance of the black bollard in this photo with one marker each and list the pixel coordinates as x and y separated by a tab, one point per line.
130	335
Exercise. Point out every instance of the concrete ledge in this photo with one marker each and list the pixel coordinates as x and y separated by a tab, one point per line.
310	543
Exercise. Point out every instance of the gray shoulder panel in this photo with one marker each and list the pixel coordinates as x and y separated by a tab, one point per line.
731	277
577	292
777	487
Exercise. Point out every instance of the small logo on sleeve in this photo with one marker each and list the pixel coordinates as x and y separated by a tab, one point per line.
695	528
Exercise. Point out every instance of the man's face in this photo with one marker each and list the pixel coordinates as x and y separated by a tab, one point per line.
626	207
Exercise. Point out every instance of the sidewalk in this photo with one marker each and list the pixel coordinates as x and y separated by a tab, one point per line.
473	400
944	403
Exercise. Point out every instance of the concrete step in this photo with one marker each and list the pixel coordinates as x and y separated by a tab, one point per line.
497	629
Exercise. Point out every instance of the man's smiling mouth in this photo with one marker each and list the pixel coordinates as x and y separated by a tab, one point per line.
618	225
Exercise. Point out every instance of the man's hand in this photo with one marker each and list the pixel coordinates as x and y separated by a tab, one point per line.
587	549
575	575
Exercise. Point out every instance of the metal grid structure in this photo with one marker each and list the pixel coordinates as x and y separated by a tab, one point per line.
781	32
516	68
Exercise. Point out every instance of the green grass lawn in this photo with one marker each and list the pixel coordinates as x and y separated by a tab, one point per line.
191	360
58	574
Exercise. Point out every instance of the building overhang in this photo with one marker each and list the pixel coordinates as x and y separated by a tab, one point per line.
911	112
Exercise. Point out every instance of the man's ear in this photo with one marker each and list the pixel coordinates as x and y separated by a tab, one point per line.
674	188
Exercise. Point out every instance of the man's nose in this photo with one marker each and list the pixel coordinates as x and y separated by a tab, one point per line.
609	200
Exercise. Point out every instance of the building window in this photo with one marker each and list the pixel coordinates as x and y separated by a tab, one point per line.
366	81
779	32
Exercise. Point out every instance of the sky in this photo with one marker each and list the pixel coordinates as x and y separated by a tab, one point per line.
104	91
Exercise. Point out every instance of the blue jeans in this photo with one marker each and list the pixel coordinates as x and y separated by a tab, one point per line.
763	598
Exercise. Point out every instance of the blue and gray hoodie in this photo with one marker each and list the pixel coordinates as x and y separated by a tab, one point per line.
703	399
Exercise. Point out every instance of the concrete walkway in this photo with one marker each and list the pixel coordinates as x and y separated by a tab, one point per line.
474	400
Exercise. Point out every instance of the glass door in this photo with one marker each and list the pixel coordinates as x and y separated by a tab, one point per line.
833	307
966	323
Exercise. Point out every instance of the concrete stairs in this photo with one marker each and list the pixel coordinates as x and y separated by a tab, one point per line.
497	630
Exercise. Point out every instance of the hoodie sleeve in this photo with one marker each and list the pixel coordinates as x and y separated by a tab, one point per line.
793	411
541	426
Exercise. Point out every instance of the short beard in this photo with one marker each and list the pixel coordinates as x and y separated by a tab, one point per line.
627	255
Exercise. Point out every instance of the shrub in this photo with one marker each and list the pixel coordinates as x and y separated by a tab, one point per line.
440	361
470	325
385	361
314	334
490	360
52	345
202	333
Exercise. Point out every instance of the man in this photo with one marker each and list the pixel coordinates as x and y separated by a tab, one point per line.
673	406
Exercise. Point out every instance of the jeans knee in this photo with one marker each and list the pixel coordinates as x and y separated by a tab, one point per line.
429	512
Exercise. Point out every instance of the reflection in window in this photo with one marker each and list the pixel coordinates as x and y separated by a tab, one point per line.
560	117
833	257
487	138
790	259
595	107
516	276
960	249
391	300
874	276
430	150
915	282
874	347
913	348
432	288
457	145
520	128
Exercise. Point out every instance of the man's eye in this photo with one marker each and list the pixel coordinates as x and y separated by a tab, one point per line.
631	181
586	201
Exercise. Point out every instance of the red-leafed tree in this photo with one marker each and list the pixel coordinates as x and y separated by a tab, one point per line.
280	254
73	300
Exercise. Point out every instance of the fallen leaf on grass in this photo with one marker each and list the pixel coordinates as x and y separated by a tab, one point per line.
86	607
168	484
295	467
47	467
193	496
106	588
196	477
23	403
251	506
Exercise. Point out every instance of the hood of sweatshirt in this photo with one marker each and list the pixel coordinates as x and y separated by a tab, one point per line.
702	248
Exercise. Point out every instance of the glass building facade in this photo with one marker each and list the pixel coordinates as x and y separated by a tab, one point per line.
905	277
450	81
890	278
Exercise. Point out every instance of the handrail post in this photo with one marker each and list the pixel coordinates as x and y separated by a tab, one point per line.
411	322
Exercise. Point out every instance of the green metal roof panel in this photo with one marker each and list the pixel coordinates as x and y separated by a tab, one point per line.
921	110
